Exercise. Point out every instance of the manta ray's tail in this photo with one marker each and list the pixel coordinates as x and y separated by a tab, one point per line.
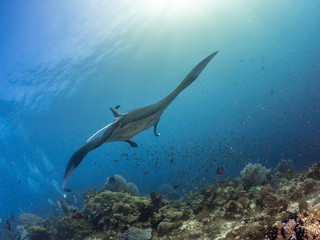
189	79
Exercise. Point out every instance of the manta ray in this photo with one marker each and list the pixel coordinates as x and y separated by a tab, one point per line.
130	123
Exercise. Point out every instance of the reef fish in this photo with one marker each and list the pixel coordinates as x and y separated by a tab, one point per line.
67	190
219	171
77	216
128	124
8	225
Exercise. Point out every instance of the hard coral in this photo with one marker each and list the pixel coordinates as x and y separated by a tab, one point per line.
302	188
168	218
165	227
254	230
233	209
314	171
70	228
269	201
29	219
134	233
37	233
115	211
284	169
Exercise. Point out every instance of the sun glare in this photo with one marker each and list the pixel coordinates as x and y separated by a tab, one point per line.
167	4
180	9
170	7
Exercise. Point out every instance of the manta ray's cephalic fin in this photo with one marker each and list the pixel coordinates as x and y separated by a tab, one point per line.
155	130
115	112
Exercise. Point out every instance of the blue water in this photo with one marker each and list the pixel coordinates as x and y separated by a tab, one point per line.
63	64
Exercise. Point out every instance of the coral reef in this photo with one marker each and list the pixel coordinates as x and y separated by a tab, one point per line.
33	227
284	169
115	211
254	175
266	199
29	219
254	230
297	227
168	192
134	233
314	171
246	207
118	184
66	208
37	233
71	228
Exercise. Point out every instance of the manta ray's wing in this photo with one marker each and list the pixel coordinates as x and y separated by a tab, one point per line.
79	155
